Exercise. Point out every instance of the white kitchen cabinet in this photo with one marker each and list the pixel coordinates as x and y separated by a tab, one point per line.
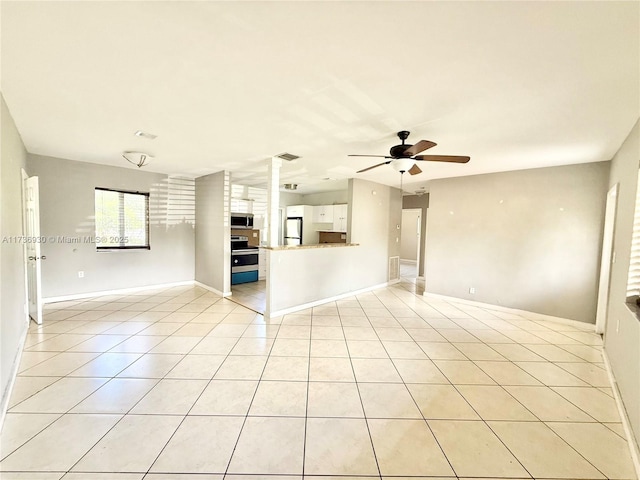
323	214
262	264
295	210
340	218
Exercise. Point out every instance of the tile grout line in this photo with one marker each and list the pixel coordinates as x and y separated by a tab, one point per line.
355	379
128	412
246	416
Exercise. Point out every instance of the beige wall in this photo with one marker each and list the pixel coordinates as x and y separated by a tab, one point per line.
375	214
67	208
527	239
213	234
13	320
622	335
409	234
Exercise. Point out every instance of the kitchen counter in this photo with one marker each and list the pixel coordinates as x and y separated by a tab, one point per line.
319	245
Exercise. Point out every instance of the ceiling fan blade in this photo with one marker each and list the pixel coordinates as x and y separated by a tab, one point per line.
375	166
377	156
442	158
414	170
421	146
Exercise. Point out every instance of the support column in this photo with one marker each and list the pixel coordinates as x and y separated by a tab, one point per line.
273	201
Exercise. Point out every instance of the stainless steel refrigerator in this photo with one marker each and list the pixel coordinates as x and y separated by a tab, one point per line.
293	231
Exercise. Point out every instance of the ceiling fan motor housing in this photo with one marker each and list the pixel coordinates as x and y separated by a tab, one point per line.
398	151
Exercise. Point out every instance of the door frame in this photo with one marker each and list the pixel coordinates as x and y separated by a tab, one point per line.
24	177
38	318
606	259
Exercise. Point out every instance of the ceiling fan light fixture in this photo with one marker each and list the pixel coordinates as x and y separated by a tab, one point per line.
402	164
139	159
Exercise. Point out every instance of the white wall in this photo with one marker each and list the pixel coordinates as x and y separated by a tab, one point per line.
527	239
622	336
67	208
13	323
326	198
213	234
288	198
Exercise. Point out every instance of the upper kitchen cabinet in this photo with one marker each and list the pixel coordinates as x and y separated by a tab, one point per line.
295	210
340	218
323	214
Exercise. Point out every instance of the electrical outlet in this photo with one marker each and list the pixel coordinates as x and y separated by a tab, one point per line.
472	290
80	273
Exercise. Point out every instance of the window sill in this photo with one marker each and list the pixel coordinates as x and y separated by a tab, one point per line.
122	249
632	305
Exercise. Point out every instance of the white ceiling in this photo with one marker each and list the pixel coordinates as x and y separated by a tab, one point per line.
226	85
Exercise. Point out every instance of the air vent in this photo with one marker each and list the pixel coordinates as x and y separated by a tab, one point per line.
289	157
394	269
290	186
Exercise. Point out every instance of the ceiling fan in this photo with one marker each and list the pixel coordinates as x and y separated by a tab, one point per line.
405	155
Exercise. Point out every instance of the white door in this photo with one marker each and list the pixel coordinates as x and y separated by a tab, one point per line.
34	259
605	261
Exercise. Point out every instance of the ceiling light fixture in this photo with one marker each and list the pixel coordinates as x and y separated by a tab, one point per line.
402	164
150	136
139	159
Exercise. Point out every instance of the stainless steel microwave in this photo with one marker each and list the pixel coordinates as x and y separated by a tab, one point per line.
242	220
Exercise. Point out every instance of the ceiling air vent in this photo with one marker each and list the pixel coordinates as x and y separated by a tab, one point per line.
289	157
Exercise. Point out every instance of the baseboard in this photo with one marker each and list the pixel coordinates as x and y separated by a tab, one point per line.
211	289
500	308
6	395
626	424
315	303
79	296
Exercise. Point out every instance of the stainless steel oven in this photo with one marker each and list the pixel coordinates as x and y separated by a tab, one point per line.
244	260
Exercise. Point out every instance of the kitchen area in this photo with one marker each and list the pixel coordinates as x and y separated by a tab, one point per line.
312	221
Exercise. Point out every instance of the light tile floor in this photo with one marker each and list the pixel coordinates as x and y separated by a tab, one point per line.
182	384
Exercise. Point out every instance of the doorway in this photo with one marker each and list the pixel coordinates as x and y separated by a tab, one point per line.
410	241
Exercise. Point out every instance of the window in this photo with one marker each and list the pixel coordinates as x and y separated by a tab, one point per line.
122	220
633	282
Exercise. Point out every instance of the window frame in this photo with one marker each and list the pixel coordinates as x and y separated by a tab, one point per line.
121	247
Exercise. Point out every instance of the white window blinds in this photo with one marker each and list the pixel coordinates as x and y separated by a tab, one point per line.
633	282
122	219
